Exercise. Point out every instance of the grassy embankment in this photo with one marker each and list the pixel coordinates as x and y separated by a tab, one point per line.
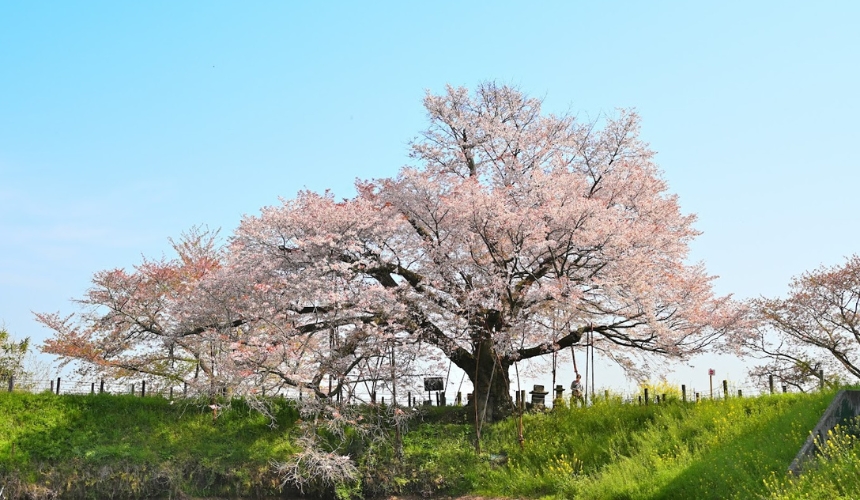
125	446
121	446
739	448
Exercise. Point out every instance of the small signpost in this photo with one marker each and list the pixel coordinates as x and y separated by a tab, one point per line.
433	384
711	373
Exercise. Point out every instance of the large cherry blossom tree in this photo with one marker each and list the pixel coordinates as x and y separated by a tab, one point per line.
512	233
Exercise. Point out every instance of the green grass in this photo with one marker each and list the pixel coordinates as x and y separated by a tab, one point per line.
128	447
98	446
713	449
832	475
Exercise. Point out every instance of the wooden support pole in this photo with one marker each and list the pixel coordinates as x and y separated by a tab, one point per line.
58	385
102	386
770	383
646	396
683	393
725	389
143	388
11	383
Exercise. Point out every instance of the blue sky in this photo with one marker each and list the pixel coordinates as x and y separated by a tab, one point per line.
123	124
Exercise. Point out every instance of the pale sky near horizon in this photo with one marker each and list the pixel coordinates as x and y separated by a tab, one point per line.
123	124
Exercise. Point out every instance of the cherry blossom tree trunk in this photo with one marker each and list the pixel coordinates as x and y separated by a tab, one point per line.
491	399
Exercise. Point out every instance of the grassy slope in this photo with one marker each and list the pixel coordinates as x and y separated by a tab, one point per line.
100	446
719	449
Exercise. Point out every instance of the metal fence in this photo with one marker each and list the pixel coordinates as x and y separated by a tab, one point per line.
161	388
539	396
61	385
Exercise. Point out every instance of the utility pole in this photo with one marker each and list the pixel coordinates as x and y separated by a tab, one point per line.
711	373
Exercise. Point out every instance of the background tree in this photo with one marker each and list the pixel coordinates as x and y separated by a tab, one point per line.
149	321
12	355
816	327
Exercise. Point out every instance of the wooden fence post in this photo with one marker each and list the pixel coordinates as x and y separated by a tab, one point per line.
821	380
784	388
697	397
143	388
740	393
102	387
11	383
52	386
683	393
93	388
725	389
770	382
646	396
58	385
132	389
